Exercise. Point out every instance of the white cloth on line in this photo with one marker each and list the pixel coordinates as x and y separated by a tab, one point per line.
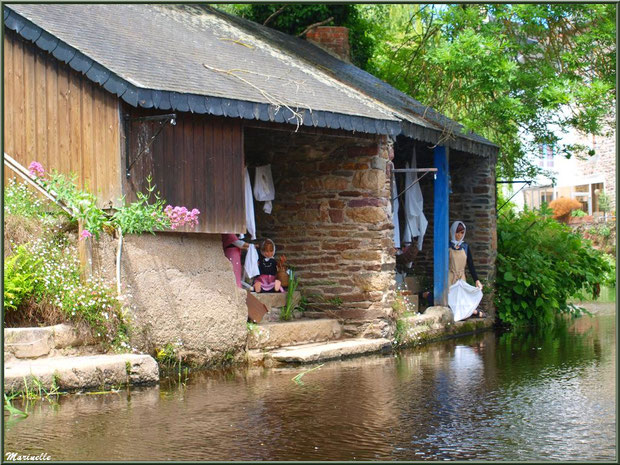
263	187
249	206
250	266
395	213
463	299
416	223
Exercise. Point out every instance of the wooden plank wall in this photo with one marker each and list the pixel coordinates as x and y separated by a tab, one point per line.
197	163
54	115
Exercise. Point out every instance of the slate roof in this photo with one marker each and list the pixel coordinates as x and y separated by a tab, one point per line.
191	58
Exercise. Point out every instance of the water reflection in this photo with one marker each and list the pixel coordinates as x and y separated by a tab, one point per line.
512	396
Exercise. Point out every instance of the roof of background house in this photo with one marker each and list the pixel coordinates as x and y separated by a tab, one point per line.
192	58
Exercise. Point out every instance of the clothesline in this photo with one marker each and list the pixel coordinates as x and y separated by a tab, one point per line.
414	170
412	184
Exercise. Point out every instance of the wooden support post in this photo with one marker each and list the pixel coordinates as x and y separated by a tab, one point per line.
440	227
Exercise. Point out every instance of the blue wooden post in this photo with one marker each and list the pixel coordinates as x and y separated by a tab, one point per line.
440	227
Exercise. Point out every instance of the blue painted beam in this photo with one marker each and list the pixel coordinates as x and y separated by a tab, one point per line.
440	227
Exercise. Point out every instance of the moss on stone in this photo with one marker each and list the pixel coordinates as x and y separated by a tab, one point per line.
425	334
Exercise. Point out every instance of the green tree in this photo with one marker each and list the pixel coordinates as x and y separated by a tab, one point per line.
295	19
505	71
518	74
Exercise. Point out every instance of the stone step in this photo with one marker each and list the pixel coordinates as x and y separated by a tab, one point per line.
272	335
316	352
24	343
274	301
85	372
434	317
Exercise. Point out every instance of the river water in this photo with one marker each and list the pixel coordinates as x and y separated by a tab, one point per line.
546	395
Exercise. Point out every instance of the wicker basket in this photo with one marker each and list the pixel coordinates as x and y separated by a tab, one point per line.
283	277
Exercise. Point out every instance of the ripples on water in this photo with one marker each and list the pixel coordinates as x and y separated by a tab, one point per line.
512	396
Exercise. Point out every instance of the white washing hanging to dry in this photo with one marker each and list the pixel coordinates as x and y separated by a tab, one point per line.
250	265
249	206
416	222
263	187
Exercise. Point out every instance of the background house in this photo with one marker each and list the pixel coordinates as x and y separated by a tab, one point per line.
192	97
582	177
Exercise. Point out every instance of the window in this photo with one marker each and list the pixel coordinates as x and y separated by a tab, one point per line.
545	157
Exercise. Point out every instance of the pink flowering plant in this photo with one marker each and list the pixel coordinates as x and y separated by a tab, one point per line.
36	169
42	280
146	214
181	216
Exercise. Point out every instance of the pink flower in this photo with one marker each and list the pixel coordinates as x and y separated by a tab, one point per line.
85	234
180	216
36	169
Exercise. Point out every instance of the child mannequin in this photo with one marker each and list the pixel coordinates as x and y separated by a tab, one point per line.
267	266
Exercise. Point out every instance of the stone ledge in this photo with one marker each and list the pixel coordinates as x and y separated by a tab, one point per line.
308	353
86	372
272	335
439	324
39	342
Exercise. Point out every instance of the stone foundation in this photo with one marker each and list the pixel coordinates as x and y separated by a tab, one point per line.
180	290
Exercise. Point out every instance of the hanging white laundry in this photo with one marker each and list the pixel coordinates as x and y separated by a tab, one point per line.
395	213
250	266
463	299
249	206
263	187
414	202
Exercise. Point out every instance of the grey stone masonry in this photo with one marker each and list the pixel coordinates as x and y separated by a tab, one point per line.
473	201
332	219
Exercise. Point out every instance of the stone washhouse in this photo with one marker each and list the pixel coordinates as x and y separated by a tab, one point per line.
192	96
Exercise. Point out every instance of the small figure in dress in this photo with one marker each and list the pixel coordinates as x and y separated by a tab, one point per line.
266	281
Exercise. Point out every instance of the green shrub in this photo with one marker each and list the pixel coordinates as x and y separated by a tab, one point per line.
540	265
140	216
46	269
42	276
19	279
578	213
52	268
81	202
603	231
604	202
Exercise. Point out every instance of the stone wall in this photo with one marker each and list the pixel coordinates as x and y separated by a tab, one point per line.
473	201
179	289
332	219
